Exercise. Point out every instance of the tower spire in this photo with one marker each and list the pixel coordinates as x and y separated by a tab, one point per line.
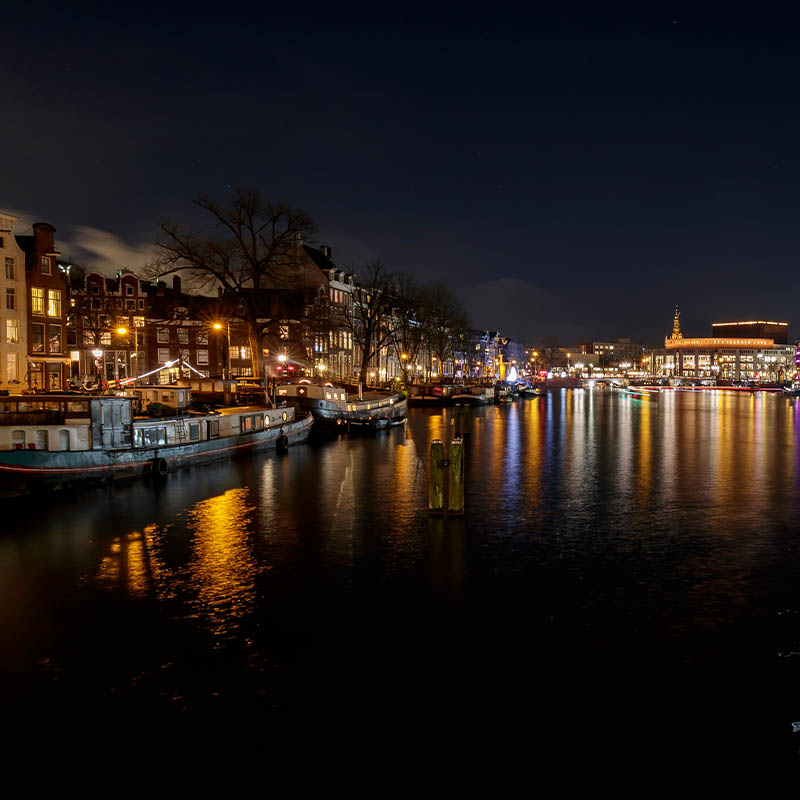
676	325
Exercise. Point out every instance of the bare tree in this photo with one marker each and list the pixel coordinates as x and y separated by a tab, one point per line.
445	323
406	339
255	246
371	322
548	348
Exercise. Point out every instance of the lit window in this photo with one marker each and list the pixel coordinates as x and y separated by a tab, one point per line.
37	301
163	354
11	367
202	356
12	331
53	303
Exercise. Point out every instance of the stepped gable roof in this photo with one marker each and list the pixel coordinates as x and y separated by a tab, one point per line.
163	301
319	258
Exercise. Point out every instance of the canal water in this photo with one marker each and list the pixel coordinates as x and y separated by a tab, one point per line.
626	576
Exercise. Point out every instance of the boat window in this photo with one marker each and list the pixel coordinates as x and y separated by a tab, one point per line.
246	423
149	437
194	431
63	440
283	392
213	428
258	422
78	408
41	440
51	406
18	440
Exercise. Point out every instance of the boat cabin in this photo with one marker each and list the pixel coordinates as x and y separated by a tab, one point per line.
305	390
59	423
177	397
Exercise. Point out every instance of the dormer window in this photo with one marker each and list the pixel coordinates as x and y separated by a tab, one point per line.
45	265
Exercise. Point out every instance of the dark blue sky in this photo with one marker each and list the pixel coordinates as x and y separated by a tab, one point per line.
571	173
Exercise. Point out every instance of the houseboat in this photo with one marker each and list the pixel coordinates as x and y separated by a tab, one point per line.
336	410
433	394
59	441
473	395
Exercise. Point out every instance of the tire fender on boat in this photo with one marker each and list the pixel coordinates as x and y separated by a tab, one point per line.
159	467
282	442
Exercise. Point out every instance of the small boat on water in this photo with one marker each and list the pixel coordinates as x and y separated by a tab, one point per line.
532	391
433	394
640	392
473	395
792	389
60	441
336	410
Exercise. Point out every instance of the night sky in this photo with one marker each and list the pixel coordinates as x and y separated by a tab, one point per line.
570	173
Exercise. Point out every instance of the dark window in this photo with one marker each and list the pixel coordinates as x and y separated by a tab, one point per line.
37	338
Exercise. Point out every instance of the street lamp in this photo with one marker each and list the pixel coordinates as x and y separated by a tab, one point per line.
122	330
218	327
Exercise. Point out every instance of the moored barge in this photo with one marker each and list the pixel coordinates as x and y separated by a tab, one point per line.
336	410
58	441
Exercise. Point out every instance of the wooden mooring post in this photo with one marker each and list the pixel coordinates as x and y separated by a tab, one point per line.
455	484
453	468
436	478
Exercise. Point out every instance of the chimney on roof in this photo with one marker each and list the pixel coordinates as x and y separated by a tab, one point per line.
176	283
298	239
161	288
43	235
326	251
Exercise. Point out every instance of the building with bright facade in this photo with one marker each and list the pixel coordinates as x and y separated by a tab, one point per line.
13	308
740	356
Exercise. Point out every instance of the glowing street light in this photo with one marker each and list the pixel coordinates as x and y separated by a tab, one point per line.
218	327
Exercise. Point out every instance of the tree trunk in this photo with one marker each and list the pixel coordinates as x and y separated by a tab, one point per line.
255	348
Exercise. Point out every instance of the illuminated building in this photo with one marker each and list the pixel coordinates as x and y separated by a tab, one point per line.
730	358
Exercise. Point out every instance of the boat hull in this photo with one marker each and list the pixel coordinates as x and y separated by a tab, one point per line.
30	471
360	416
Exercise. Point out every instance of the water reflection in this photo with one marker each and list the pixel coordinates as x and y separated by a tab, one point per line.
221	574
596	522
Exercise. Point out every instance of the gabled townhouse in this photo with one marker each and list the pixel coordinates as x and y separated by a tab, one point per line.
185	334
13	308
106	319
46	292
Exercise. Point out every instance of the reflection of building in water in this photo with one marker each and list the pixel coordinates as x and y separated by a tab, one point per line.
752	350
223	570
219	581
